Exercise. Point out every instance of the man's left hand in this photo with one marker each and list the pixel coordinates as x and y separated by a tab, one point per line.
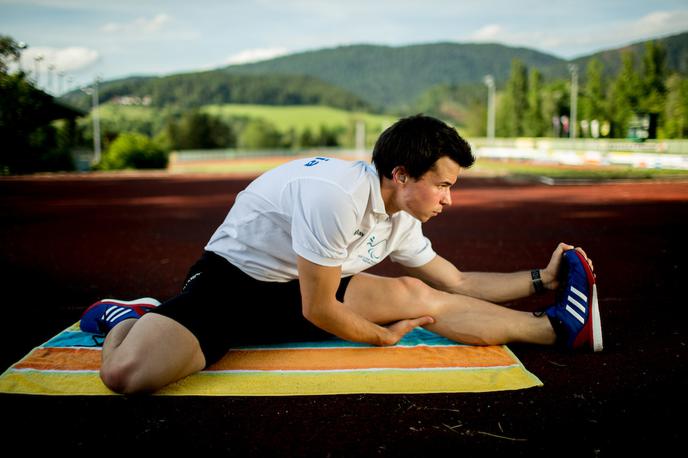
550	274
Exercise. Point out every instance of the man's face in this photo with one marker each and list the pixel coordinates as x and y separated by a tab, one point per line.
427	196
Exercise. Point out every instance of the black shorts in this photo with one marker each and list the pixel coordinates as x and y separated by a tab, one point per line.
224	308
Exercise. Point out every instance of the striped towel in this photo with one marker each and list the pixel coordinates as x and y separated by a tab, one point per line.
422	362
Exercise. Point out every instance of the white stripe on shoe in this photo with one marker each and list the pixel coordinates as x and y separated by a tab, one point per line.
111	311
115	312
575	314
119	314
579	294
577	304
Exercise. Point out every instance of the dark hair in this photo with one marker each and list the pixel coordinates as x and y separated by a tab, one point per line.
417	142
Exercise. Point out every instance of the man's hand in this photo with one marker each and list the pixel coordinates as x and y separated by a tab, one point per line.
550	274
320	306
399	329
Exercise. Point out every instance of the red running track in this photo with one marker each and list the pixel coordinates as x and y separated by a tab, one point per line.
68	241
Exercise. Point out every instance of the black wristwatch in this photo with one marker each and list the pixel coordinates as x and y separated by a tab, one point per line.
537	281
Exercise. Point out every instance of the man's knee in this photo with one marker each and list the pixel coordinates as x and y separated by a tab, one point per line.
420	294
121	375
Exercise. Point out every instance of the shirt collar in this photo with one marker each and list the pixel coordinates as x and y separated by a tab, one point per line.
378	205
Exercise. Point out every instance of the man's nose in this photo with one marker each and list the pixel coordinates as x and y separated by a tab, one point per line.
446	198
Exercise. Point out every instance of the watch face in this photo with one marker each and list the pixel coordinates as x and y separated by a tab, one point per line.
537	281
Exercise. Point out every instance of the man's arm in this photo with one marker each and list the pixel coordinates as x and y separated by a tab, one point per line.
494	287
320	306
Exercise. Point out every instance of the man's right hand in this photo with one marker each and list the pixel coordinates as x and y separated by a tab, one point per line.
399	329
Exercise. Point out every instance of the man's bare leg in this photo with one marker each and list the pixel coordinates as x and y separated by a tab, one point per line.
146	354
459	318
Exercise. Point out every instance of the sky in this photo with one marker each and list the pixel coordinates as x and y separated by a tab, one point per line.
72	42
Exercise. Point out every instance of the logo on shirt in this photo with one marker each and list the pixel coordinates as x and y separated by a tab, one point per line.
375	248
358	233
316	161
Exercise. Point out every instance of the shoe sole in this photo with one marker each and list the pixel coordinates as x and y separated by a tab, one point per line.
595	323
141	301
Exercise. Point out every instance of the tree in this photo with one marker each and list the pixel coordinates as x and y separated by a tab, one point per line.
653	78
593	99
259	134
555	104
307	139
514	103
30	142
133	150
197	130
534	124
675	120
624	96
10	51
329	136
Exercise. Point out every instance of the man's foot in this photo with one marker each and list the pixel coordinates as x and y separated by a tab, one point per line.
102	316
575	316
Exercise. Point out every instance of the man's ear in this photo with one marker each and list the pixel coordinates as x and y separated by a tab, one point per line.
399	174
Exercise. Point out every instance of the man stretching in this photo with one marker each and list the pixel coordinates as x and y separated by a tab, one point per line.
288	264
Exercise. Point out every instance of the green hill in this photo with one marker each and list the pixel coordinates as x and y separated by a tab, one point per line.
393	77
360	77
675	45
191	90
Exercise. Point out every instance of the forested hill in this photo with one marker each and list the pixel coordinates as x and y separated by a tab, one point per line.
190	90
676	47
389	77
374	77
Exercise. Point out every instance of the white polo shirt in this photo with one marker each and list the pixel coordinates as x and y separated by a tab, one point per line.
326	210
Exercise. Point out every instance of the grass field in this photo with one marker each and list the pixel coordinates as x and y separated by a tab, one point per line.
283	117
302	116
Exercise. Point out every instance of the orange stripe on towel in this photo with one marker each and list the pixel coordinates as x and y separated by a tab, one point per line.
364	358
64	359
433	357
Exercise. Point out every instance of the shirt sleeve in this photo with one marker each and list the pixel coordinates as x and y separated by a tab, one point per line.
323	221
415	249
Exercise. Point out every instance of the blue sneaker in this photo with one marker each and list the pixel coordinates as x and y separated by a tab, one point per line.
575	316
102	316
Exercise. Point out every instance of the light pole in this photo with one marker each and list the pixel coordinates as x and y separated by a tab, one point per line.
573	68
51	70
60	85
37	60
489	81
96	119
22	47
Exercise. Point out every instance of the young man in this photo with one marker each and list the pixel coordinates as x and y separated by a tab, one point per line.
287	264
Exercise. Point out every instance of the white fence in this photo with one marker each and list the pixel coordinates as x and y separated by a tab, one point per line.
662	154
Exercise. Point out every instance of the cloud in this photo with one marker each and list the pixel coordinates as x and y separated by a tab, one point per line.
653	25
255	55
569	41
487	33
70	59
141	24
660	23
